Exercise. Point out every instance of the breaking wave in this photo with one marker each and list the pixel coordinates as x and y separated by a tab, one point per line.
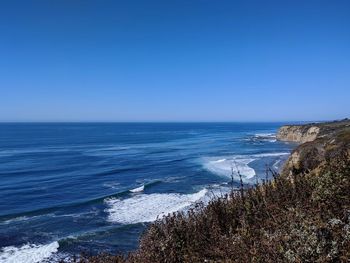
28	253
235	165
262	137
149	207
231	166
138	189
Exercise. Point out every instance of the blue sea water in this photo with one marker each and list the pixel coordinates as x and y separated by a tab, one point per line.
72	187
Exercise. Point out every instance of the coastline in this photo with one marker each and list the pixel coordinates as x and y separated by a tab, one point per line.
299	166
192	163
300	216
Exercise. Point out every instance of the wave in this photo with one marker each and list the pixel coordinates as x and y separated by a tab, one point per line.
37	150
28	253
149	207
231	166
262	155
5	219
110	151
237	164
138	189
112	185
16	219
118	170
174	179
262	137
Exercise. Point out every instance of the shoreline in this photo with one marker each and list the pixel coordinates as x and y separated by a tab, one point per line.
288	207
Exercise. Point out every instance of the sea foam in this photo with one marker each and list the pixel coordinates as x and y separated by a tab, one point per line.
235	165
138	189
263	137
230	166
29	253
262	155
149	207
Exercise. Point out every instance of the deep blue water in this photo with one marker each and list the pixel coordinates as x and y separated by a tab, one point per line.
65	188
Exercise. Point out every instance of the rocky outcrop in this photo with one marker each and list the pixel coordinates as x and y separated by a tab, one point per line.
298	133
309	132
320	143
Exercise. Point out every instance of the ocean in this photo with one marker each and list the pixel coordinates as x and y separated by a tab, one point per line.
67	188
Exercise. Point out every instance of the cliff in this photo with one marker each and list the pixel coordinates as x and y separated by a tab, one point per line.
320	143
309	132
298	133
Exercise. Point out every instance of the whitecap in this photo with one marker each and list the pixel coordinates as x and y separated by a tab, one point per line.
149	207
262	155
28	253
231	166
264	137
172	179
236	165
219	161
138	189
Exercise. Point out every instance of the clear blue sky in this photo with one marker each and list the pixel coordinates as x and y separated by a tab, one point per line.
180	60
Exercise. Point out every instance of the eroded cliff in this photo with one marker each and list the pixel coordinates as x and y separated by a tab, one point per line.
309	132
320	143
298	133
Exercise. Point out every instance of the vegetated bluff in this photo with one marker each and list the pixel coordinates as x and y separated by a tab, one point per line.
309	132
320	141
303	215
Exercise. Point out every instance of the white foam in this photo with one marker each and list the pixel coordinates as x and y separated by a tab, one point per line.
275	165
172	179
239	163
16	219
220	161
138	189
269	137
22	218
29	253
265	135
149	207
261	155
231	166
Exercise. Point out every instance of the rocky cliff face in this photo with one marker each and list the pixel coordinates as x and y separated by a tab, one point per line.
298	133
320	143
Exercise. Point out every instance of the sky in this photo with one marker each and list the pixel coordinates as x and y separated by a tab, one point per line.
180	60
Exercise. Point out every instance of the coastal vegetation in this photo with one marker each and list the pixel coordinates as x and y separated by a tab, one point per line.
302	215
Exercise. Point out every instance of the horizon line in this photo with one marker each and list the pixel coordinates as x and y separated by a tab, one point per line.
161	121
